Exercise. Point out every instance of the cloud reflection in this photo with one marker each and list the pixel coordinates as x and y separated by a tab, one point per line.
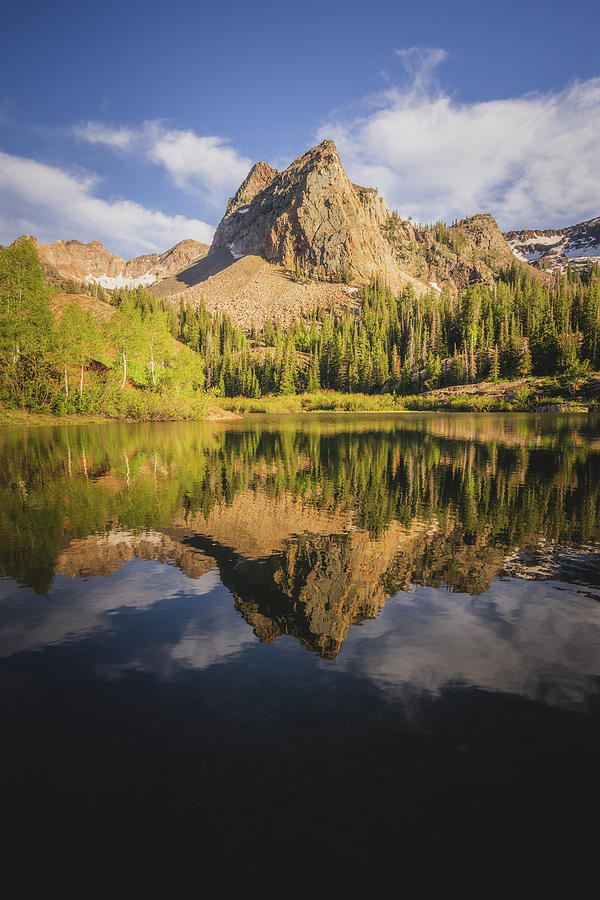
538	640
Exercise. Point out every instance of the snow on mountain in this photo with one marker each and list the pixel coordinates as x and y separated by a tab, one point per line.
93	263
555	249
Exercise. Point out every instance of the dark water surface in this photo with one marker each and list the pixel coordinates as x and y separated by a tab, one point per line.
346	628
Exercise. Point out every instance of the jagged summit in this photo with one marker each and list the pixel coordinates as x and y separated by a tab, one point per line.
258	178
309	214
312	217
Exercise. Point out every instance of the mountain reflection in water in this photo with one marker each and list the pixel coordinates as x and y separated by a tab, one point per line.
466	547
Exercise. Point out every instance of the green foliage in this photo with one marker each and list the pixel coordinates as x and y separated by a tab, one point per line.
26	333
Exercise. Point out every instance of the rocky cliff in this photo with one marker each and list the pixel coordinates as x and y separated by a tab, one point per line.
471	251
94	263
310	215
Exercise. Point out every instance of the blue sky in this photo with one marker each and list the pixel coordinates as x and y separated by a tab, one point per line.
133	122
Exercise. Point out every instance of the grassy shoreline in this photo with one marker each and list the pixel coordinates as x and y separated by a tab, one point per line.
523	395
22	417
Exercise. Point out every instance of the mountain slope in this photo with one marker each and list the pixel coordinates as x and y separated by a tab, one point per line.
94	263
452	257
311	214
101	311
556	248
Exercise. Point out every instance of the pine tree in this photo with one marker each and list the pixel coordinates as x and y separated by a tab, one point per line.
524	366
313	381
495	367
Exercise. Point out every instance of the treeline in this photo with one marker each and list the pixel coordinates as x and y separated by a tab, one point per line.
402	344
515	328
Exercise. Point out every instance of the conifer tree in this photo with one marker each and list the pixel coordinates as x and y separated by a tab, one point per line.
495	367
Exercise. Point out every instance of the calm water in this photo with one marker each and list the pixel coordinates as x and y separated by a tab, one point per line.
352	628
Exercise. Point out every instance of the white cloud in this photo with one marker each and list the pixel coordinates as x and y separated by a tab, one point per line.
420	63
121	138
530	161
51	203
206	165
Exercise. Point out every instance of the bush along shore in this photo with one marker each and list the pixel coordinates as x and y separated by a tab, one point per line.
523	395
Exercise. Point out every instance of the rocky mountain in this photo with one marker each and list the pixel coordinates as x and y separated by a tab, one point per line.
295	239
290	241
450	257
312	216
554	249
298	239
94	263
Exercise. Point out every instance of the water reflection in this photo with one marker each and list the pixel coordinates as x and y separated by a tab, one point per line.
247	623
311	526
454	495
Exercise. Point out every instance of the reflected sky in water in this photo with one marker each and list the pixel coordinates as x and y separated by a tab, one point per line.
539	640
389	581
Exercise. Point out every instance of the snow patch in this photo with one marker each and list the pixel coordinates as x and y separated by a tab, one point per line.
113	282
581	251
233	253
242	210
576	250
435	286
546	239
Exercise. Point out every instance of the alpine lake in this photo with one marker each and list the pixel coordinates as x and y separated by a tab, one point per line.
342	628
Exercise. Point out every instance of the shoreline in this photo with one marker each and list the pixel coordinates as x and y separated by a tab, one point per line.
13	418
531	395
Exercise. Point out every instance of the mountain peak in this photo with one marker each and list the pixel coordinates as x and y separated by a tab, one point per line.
326	152
92	262
258	178
309	214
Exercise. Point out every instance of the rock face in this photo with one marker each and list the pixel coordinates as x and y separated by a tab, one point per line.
577	245
471	251
259	177
312	215
94	263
